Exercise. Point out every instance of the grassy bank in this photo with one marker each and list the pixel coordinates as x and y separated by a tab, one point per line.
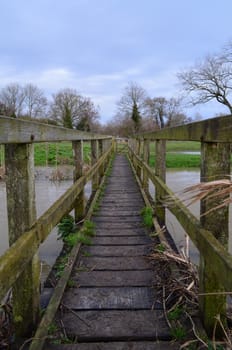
179	160
174	160
57	153
61	154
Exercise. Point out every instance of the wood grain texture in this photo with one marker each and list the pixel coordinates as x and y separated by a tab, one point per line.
114	278
116	325
136	298
140	345
115	263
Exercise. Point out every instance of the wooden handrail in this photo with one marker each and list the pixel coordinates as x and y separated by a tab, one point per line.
13	262
210	234
210	130
19	266
13	130
203	239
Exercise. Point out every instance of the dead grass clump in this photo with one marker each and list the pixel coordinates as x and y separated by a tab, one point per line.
218	189
56	175
177	284
6	328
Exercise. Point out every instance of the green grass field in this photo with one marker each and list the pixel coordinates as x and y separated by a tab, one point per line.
61	154
58	153
179	160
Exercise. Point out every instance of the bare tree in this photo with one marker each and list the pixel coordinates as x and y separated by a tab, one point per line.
70	109
35	102
88	116
165	112
132	103
12	98
210	80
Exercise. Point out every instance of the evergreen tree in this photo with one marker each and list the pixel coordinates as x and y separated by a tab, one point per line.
136	117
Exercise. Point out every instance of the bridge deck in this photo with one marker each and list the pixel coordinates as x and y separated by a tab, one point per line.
112	304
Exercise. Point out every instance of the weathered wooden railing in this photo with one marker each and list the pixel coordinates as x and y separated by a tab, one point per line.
210	233
19	266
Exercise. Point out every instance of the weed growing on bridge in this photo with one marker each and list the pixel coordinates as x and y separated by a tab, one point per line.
68	233
147	215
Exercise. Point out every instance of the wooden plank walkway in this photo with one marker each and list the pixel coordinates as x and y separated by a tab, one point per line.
112	304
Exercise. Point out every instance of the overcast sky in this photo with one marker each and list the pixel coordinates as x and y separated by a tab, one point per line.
98	46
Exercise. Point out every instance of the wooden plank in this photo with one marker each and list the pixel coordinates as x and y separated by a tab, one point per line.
136	298
131	240
138	250
114	263
116	219
138	201
114	278
112	231
119	225
14	130
118	191
130	197
116	325
117	212
140	345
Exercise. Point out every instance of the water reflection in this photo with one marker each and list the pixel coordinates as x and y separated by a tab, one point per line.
178	180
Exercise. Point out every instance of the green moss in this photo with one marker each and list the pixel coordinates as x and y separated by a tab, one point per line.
147	215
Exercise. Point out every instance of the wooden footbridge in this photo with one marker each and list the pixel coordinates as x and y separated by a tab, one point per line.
111	303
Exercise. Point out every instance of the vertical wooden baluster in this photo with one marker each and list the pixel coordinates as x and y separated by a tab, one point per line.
160	171
94	159
146	157
79	207
20	188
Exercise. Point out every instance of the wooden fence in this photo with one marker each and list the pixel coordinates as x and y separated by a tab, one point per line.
210	233
19	266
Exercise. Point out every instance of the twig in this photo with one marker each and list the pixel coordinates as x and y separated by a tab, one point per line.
74	313
165	310
194	330
30	339
223	328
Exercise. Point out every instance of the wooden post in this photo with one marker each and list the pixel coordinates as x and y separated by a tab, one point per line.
160	171
101	170
146	156
139	149
79	207
94	159
215	165
20	188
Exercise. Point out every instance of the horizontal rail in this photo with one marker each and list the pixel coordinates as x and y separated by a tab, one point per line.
22	131
204	240
16	258
210	130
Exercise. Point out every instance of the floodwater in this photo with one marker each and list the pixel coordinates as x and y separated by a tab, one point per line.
47	192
